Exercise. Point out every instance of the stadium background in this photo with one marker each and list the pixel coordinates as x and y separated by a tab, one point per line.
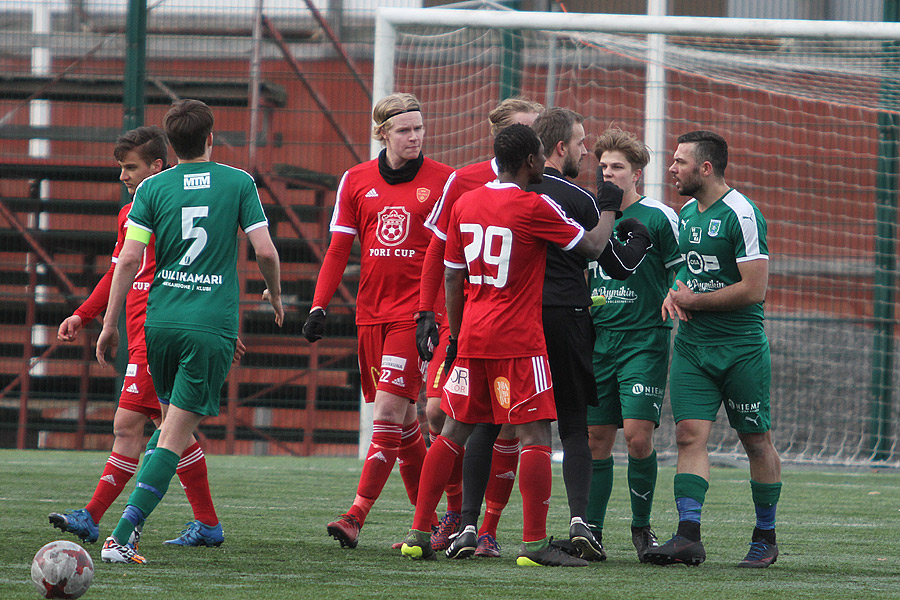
809	160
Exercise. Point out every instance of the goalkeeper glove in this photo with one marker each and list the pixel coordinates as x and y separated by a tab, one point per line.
609	195
314	327
426	334
451	355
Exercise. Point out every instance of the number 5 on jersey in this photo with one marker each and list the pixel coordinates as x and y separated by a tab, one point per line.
190	231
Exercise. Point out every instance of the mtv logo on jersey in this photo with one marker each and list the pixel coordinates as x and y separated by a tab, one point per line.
196	181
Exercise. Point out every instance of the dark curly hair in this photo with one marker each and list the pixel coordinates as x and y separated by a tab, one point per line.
513	145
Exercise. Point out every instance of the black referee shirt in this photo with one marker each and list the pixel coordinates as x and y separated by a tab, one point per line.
564	281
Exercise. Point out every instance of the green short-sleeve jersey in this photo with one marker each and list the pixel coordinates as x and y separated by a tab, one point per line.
713	243
635	302
194	210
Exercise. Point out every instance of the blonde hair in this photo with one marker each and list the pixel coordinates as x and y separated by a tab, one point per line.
502	116
636	152
391	106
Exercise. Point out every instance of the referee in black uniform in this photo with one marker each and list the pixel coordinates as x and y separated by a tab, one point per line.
568	329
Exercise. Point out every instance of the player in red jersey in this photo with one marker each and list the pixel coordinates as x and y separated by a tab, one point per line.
432	340
141	152
497	240
385	202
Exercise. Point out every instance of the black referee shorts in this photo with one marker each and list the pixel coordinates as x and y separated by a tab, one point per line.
569	333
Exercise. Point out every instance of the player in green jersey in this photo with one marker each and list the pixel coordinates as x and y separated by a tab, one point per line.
721	353
194	210
631	349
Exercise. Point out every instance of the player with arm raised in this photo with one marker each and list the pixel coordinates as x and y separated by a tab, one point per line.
385	202
193	211
432	344
721	353
568	333
497	241
631	350
141	152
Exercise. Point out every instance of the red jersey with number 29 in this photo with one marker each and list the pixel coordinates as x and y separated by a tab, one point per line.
389	220
499	232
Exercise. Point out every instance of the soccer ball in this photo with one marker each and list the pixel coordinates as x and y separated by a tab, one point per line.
62	569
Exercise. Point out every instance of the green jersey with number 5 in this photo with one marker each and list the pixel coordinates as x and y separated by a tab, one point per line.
714	242
194	210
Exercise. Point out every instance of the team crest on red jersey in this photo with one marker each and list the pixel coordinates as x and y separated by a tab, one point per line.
422	194
393	225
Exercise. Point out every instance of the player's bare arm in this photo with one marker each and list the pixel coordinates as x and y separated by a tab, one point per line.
671	310
126	268
239	350
68	329
454	280
594	241
270	267
751	289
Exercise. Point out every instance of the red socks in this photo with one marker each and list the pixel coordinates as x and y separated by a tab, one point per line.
378	466
194	479
118	471
435	473
410	458
504	462
535	481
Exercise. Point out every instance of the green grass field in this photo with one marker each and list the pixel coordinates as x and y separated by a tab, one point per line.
839	535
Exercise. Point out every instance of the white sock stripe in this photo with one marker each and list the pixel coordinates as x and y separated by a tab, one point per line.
128	467
390	428
409	433
194	457
506	449
452	449
535	449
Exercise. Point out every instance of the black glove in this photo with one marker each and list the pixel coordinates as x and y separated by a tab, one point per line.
314	328
451	355
632	229
426	334
620	260
609	195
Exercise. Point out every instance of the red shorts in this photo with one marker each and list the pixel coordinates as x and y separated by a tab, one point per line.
389	361
506	390
138	393
437	377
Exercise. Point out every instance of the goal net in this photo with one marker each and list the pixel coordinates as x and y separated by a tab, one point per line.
810	111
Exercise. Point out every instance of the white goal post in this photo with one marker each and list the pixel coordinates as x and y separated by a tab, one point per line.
389	19
811	110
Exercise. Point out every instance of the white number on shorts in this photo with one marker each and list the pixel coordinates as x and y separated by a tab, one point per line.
190	231
482	245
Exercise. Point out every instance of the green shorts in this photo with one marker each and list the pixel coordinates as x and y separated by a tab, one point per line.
704	377
630	368
189	367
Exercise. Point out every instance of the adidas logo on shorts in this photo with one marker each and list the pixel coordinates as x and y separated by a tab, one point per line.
133	389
